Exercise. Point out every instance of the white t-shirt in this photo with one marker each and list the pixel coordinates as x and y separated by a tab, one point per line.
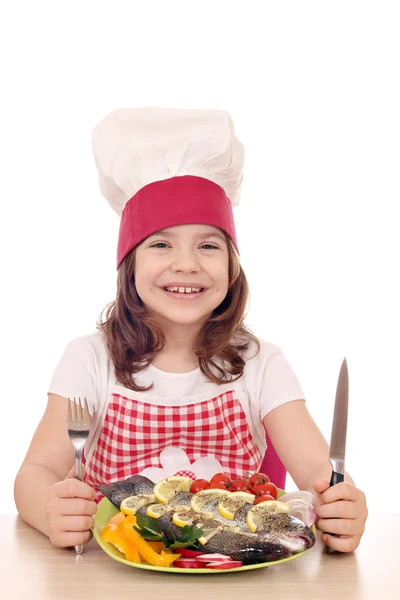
86	370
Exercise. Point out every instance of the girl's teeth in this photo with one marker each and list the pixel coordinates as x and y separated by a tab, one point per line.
183	290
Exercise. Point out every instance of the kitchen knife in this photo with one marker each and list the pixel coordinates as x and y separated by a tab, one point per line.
339	431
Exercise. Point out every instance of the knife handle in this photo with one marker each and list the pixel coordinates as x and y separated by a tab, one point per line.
335	478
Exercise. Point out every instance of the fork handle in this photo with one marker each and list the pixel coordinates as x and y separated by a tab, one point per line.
78	475
78	464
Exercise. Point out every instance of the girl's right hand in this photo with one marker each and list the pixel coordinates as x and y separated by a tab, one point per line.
70	508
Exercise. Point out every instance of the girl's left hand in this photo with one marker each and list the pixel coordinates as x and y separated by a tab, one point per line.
343	510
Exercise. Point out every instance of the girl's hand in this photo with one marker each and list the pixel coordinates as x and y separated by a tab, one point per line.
343	510
70	509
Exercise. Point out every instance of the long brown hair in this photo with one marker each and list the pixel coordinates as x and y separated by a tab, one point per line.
133	338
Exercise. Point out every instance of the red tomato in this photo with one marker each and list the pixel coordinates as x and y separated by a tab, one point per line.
260	488
263	498
266	488
219	480
220	485
258	478
238	485
198	485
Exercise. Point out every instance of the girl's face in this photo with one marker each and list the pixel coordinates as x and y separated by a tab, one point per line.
181	273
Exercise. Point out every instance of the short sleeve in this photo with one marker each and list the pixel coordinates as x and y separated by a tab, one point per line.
75	373
279	383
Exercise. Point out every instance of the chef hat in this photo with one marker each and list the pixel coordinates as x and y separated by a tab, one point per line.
160	167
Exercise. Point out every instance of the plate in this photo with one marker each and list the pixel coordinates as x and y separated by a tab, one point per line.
106	510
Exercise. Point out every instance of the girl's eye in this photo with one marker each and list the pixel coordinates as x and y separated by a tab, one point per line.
164	245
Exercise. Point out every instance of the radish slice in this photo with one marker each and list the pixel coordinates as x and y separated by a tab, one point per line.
228	564
214	557
185	553
188	563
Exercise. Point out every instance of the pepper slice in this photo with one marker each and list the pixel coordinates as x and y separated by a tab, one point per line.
113	535
157	546
117	518
144	549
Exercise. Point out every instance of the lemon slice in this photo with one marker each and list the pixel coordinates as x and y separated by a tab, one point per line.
156	510
229	505
182	518
167	488
258	514
208	533
130	505
202	498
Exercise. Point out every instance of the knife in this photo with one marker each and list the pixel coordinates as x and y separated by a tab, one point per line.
339	431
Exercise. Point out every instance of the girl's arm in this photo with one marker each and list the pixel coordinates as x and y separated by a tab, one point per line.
41	500
342	508
299	444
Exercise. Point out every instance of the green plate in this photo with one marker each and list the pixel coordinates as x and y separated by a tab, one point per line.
106	510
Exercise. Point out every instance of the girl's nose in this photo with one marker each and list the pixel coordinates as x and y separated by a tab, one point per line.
185	261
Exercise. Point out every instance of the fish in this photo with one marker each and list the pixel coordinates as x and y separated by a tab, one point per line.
133	486
282	535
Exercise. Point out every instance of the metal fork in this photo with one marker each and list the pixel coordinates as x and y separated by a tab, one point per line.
78	431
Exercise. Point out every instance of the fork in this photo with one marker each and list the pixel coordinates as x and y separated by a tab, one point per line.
78	431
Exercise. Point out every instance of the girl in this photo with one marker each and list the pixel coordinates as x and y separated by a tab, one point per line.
175	380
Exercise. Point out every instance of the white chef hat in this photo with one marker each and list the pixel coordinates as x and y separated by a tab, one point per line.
160	167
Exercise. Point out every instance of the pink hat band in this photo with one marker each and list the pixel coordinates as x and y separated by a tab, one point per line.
179	200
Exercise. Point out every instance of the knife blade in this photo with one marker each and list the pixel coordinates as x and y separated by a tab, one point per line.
339	431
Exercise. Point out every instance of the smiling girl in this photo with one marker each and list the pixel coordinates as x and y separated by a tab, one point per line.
172	370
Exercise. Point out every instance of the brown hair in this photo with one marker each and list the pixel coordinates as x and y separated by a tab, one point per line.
133	338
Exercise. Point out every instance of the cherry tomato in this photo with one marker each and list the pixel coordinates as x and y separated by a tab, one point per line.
267	488
239	485
198	485
263	498
219	480
258	478
220	485
261	488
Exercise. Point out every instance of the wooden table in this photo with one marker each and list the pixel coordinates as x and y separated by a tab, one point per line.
31	567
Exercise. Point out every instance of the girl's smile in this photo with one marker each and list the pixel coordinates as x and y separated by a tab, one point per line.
184	291
182	273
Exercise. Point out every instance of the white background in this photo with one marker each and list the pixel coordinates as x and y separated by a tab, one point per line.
313	88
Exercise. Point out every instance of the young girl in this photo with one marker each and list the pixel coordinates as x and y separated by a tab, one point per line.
175	380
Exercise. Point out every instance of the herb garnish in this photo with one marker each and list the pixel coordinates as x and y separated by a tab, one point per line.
150	530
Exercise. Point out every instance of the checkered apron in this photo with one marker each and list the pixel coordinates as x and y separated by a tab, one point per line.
135	432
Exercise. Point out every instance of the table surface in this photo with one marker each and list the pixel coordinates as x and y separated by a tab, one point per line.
31	567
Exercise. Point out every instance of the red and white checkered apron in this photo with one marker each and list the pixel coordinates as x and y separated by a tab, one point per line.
135	432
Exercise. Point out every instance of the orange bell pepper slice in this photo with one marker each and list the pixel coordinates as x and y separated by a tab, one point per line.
129	519
132	554
117	518
157	546
144	549
112	534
